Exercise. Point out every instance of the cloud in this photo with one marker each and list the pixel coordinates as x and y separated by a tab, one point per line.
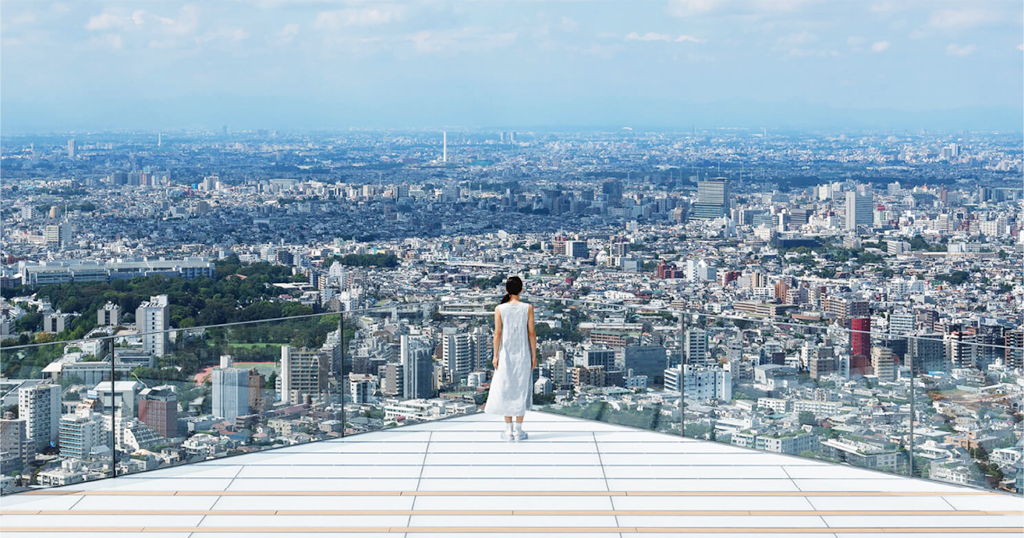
287	34
880	46
106	21
799	38
686	8
567	24
854	40
465	39
227	34
959	19
653	36
957	51
881	7
332	20
1020	47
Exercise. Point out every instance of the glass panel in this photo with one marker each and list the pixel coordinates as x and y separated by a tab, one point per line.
57	413
969	429
800	389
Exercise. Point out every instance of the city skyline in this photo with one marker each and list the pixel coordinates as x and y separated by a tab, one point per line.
283	65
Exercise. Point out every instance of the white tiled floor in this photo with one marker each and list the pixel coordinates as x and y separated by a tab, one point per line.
567	465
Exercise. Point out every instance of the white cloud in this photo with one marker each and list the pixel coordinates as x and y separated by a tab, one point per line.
568	25
228	34
689	38
799	38
105	21
958	19
880	46
1020	47
654	36
959	51
882	7
472	39
854	40
332	20
686	8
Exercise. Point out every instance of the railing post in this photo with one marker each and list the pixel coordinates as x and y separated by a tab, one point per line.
682	374
913	414
113	409
344	352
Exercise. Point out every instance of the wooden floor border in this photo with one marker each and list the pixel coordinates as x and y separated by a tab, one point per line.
549	530
144	493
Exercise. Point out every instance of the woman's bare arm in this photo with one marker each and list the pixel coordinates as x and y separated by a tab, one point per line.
533	336
497	336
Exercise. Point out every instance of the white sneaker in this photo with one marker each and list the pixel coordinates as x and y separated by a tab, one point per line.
506	437
520	435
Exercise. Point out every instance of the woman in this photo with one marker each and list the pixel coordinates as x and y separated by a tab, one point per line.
515	347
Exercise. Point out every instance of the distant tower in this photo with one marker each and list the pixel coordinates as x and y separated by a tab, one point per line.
71	148
444	147
159	139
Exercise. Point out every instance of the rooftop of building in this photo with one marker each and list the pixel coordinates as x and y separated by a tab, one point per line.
571	477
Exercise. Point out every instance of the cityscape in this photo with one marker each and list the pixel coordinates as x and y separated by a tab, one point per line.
793	283
252	253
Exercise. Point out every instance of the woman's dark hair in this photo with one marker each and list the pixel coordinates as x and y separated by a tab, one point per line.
513	286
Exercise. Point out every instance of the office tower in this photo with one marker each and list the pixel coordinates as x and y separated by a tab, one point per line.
71	148
927	353
457	356
158	409
961	347
444	147
859	211
58	235
860	346
80	432
695	347
109	315
257	399
230	393
417	369
152	319
712	199
612	189
40	407
902	324
17	449
392	383
1014	353
303	375
602	357
883	364
360	388
577	249
991	340
650	361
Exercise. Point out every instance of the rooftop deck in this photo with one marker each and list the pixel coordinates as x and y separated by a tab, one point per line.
572	477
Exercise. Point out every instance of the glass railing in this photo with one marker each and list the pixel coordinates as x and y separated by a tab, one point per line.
942	406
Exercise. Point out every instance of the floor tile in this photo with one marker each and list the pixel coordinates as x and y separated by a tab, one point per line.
509	471
682	484
327	502
80	520
512	484
320	484
924	521
582	502
513	521
986	502
513	459
163	502
718	521
330	471
270	522
711	503
879	503
38	502
721	471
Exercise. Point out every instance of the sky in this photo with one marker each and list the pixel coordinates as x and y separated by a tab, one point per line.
677	64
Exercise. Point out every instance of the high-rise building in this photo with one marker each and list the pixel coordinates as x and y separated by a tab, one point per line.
152	319
303	375
158	409
860	346
58	235
649	361
1014	353
902	324
417	368
612	190
17	449
859	210
700	382
257	397
695	347
604	358
712	199
444	147
457	357
80	432
883	364
40	407
71	148
927	353
109	315
230	393
577	249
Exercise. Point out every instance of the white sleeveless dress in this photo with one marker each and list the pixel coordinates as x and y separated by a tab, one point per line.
511	387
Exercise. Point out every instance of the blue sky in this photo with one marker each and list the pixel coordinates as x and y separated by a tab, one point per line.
670	64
